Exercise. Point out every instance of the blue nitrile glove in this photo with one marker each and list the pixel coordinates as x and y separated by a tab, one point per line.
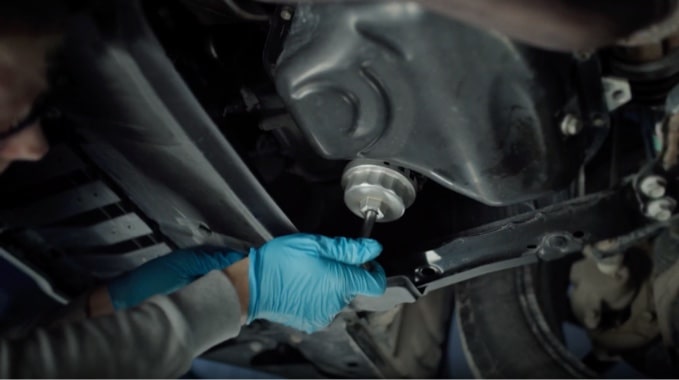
303	281
166	274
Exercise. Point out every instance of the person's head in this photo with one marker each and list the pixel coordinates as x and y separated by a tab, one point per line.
29	31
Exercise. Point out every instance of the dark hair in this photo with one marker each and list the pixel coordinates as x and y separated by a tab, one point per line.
34	16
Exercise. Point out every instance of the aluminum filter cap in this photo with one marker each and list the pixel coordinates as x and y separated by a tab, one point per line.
374	185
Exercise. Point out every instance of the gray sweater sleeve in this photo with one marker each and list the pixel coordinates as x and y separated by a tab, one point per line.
159	338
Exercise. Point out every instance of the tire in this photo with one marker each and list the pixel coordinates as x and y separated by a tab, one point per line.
504	332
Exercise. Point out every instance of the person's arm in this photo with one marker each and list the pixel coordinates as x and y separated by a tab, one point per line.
301	280
160	338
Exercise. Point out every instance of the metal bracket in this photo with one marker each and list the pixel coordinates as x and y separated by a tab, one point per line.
547	234
617	92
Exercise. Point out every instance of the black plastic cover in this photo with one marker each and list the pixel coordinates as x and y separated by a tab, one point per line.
469	109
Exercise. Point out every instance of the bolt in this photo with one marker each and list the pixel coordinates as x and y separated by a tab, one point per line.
660	209
571	125
558	241
653	186
286	14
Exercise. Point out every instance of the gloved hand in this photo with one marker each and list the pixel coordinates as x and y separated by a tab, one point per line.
166	274
303	280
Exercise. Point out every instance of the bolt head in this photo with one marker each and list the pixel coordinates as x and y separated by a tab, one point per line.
653	186
571	125
286	14
660	209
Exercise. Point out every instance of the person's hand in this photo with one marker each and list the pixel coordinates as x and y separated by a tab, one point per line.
303	281
166	274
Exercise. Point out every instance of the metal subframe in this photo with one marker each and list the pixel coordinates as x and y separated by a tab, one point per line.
546	234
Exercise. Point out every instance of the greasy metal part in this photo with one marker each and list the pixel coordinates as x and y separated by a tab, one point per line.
617	92
562	25
592	288
370	217
373	188
612	297
637	331
376	80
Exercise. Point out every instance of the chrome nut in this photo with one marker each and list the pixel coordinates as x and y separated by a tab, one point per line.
661	209
653	186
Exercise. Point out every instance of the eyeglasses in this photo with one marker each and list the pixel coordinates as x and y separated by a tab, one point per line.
36	113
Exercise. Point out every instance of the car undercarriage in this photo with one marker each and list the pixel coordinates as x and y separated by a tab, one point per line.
520	187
